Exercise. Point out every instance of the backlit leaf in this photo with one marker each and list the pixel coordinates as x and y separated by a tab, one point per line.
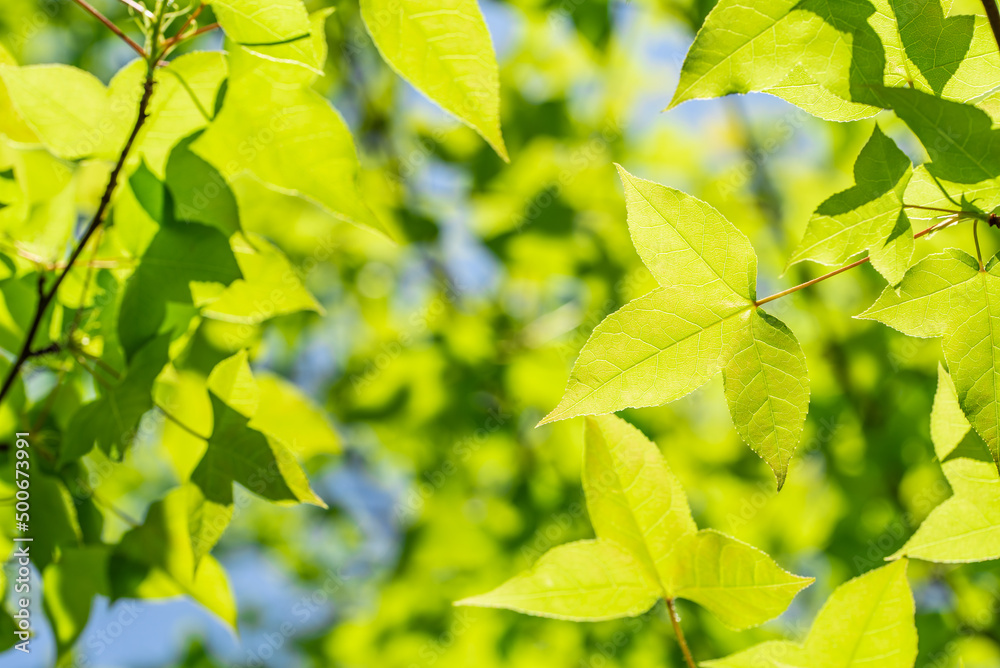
443	48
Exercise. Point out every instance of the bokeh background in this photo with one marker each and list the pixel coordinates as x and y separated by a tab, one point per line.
437	355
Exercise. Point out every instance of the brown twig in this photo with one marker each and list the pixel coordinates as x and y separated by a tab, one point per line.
46	296
994	18
112	27
852	265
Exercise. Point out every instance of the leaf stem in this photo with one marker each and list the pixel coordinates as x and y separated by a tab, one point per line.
180	423
45	297
852	265
675	621
994	18
975	237
112	27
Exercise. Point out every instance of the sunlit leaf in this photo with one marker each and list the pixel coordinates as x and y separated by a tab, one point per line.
443	48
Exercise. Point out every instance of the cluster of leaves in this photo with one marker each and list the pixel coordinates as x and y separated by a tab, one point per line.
131	334
840	61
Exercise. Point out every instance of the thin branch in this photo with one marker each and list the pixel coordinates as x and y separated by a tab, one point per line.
45	297
192	17
180	423
800	286
112	27
994	17
675	621
975	237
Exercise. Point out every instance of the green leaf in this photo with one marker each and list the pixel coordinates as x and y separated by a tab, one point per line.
966	527
290	138
70	587
276	30
864	216
183	103
112	420
178	255
833	59
770	654
653	350
948	423
287	414
199	192
443	48
647	548
684	241
946	295
590	580
156	560
767	388
959	138
270	286
801	89
64	106
867	622
243	60
633	497
236	452
737	583
670	342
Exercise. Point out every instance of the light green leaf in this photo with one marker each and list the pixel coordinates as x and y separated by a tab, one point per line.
801	89
966	527
653	350
670	342
884	637
867	622
893	257
948	423
932	297
183	103
737	583
812	53
946	295
270	286
590	580
770	654
308	149
684	241
242	60
64	106
156	560
277	30
646	548
767	388
633	497
864	216
232	381
443	48
70	587
287	414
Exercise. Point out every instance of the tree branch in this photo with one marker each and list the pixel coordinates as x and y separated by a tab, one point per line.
800	286
675	621
112	27
994	17
46	296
